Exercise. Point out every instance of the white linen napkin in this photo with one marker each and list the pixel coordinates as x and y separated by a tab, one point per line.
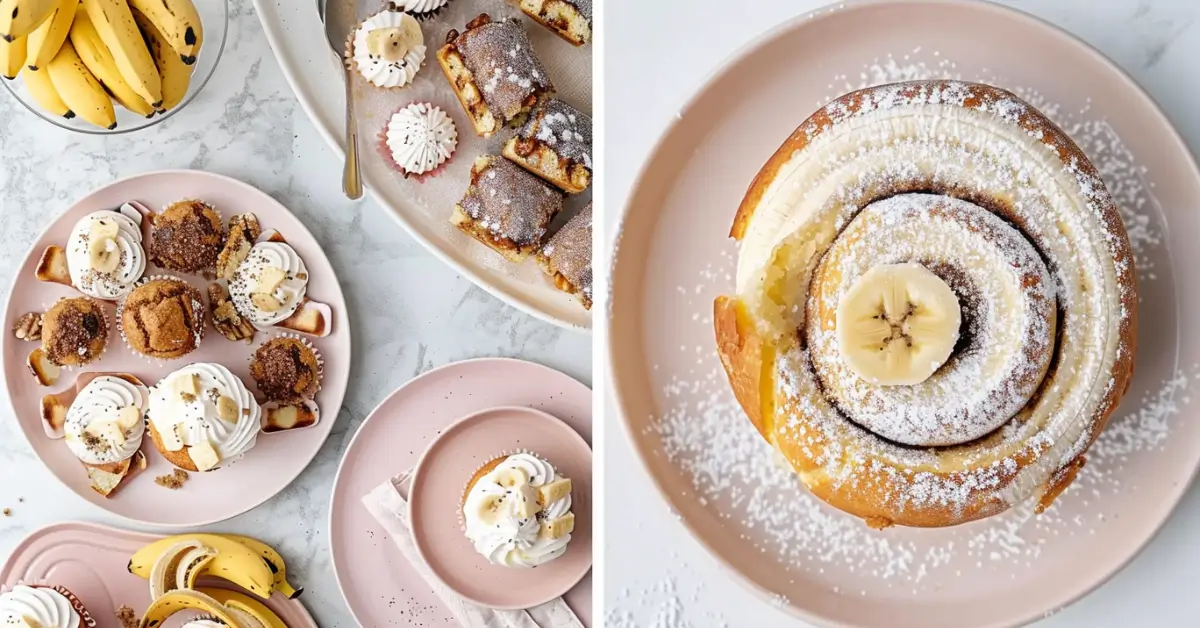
388	503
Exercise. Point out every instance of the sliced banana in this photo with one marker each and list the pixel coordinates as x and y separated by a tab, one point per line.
128	417
393	43
897	324
558	528
525	501
488	508
205	456
511	477
107	431
104	254
104	229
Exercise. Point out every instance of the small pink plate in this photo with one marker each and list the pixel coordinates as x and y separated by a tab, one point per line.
276	459
435	501
379	584
91	561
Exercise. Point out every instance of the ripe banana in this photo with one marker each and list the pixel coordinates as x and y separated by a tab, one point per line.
174	73
18	18
246	604
274	561
188	600
100	61
234	562
178	22
79	89
897	324
113	21
46	39
179	567
12	57
42	89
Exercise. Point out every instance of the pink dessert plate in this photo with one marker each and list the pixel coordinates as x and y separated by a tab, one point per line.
378	583
674	257
91	561
435	503
276	459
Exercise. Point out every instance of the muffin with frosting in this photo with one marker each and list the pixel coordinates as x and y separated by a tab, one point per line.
188	237
105	257
287	370
162	318
387	49
418	140
517	511
74	332
270	284
42	606
420	9
202	417
104	424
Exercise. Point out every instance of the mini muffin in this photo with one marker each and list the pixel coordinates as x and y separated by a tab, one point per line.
187	238
163	318
74	332
569	19
567	257
494	72
418	140
43	606
420	9
556	145
287	370
506	208
202	417
387	49
516	511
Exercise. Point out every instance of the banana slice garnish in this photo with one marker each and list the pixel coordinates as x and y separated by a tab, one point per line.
897	324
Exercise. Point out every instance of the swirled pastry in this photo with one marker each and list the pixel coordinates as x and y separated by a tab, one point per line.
935	310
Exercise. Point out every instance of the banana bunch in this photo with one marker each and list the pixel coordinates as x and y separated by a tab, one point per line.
78	56
173	566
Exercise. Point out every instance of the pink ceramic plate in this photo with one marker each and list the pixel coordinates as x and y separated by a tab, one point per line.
91	560
435	503
674	257
277	458
376	580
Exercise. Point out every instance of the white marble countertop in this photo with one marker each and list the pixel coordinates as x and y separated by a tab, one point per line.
656	574
411	312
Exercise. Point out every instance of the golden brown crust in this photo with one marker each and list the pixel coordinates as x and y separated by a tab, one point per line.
462	82
805	447
181	458
163	318
484	470
561	18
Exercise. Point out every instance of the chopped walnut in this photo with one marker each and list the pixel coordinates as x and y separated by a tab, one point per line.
225	316
174	481
128	617
28	327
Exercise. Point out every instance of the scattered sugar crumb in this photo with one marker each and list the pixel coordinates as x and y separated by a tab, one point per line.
174	480
127	617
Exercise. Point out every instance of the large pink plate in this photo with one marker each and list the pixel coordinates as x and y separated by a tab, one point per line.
376	580
277	459
91	560
435	501
674	257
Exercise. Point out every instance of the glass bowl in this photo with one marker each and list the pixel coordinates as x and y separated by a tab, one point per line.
214	15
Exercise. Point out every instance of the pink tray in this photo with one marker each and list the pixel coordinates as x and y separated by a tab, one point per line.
376	580
91	560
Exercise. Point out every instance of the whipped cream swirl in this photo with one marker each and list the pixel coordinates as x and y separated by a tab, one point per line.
186	420
204	623
126	245
421	137
47	607
419	6
247	282
507	538
381	72
100	402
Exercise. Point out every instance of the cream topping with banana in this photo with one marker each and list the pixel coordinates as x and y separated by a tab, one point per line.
270	284
104	424
388	49
208	409
36	607
105	256
519	514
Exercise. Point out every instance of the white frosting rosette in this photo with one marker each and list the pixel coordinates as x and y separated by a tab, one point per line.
105	256
420	137
221	413
388	61
46	606
492	517
99	429
258	277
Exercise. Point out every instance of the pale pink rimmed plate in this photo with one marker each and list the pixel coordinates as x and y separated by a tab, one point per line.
92	561
277	459
435	503
378	583
674	257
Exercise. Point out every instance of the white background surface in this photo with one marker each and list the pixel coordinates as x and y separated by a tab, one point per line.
656	574
409	311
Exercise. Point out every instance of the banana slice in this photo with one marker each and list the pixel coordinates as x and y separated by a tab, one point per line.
392	44
488	508
897	324
510	477
106	430
104	254
128	417
525	501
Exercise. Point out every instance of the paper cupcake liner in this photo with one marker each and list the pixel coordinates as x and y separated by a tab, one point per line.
386	152
199	335
85	617
304	341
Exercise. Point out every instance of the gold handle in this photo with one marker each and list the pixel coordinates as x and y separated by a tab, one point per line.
351	177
